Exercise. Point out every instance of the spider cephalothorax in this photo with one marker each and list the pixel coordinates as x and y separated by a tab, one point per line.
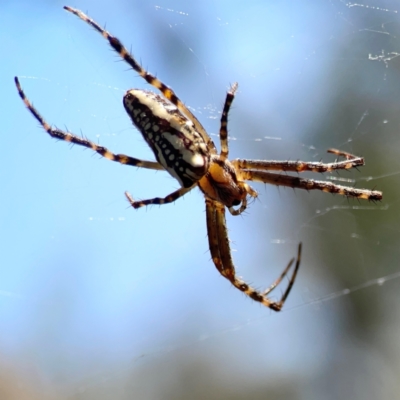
221	183
183	148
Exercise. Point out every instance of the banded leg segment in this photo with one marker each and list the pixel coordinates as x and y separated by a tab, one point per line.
341	153
310	184
159	200
69	137
223	131
281	302
298	166
167	92
222	258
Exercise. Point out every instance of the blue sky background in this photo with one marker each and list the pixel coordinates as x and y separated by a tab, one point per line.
97	299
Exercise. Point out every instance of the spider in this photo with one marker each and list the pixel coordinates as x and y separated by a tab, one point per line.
183	148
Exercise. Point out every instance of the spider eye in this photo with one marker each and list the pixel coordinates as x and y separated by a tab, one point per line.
236	202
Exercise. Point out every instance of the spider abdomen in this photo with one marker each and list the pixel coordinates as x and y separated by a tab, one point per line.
176	144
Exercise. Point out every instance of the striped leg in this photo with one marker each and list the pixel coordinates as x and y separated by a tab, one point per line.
298	166
223	131
152	80
310	184
159	200
222	258
69	137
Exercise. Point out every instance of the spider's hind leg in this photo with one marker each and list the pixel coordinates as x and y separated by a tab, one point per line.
71	138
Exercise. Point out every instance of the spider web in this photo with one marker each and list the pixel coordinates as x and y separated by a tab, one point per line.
100	301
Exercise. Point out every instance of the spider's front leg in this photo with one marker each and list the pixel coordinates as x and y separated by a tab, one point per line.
222	258
223	130
301	166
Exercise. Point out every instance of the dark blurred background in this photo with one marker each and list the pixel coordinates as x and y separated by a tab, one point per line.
100	301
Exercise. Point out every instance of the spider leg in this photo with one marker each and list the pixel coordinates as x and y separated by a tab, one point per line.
223	131
292	279
300	166
340	153
69	137
222	257
151	79
310	184
159	200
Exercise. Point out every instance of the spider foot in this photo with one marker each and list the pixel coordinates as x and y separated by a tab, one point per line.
276	306
345	154
263	296
133	203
